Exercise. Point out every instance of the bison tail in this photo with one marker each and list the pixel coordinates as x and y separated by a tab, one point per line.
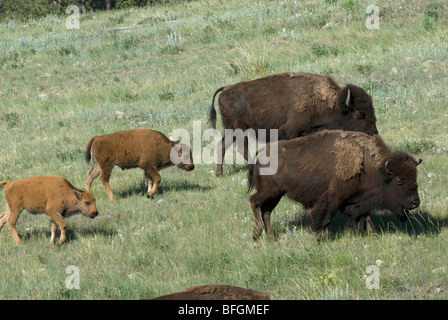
250	174
212	114
4	182
88	153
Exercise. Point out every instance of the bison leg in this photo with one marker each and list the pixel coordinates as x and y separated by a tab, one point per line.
92	174
266	209
153	181
4	218
321	214
57	221
12	218
54	228
358	220
258	228
223	145
265	205
104	178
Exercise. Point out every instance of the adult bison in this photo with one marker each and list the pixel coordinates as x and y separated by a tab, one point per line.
296	104
335	170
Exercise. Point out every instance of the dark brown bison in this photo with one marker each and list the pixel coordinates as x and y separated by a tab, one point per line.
296	104
335	170
215	292
143	148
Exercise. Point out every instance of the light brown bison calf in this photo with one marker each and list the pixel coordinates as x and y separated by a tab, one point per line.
51	195
215	292
143	148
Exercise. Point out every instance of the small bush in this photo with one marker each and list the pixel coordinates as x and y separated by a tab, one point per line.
322	50
415	146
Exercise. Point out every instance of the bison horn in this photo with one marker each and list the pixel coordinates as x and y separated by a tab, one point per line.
418	162
347	102
386	168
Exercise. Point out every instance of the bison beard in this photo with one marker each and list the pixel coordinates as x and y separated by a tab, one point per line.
332	171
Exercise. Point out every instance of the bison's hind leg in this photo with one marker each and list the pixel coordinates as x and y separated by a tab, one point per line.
265	205
92	174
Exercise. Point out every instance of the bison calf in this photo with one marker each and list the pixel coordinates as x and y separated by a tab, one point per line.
143	148
336	170
51	195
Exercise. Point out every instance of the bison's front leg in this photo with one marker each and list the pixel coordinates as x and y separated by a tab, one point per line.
321	214
153	181
57	221
357	219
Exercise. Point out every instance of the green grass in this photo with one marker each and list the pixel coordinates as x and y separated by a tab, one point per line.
161	74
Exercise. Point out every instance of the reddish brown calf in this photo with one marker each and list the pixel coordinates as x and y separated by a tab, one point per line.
51	195
143	148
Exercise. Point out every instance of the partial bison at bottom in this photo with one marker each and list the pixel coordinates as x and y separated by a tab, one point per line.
332	171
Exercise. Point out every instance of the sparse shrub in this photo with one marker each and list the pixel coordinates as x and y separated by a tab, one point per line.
166	95
11	119
349	5
365	69
415	146
171	49
322	50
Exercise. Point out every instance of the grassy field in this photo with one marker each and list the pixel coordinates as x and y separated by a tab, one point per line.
60	87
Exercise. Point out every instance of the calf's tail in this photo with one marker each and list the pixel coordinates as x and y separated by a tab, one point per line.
88	153
212	114
4	182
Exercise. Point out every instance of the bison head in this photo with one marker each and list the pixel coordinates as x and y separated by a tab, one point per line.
399	172
86	203
357	110
181	156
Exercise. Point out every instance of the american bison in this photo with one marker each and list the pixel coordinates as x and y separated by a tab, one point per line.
336	170
296	104
143	148
54	196
215	292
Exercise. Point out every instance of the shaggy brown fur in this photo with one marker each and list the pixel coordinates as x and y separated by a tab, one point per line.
51	195
216	292
143	148
296	104
336	170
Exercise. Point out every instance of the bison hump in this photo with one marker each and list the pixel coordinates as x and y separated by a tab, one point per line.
349	159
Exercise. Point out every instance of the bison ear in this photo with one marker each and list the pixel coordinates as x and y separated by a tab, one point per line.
78	194
386	172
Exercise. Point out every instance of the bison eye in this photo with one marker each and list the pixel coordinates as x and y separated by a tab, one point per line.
87	203
360	115
399	181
